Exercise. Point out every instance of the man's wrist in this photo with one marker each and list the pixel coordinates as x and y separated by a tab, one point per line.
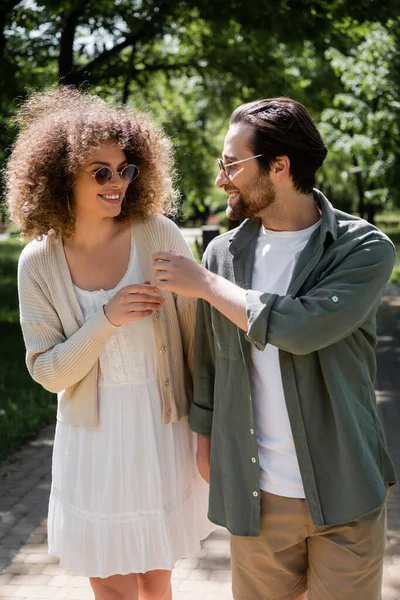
208	288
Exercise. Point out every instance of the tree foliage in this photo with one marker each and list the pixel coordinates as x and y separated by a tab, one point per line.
362	127
188	62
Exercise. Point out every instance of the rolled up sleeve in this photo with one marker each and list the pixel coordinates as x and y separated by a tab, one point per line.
330	311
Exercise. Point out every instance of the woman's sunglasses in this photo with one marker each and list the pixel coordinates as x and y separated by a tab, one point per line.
105	174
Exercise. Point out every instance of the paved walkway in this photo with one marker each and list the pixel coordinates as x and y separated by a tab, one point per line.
27	571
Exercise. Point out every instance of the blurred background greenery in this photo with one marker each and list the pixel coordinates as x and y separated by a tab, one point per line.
189	63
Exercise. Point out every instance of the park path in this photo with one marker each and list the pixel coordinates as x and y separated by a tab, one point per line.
27	571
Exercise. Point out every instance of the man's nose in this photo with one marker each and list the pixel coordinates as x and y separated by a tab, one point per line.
221	179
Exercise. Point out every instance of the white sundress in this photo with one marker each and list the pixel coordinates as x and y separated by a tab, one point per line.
126	497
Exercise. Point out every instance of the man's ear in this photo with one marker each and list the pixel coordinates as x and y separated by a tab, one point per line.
280	168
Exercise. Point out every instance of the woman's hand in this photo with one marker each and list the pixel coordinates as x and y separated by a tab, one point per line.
181	275
133	302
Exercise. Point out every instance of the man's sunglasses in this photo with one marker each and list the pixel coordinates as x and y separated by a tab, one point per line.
105	174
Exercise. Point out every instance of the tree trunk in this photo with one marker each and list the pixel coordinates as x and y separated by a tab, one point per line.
66	71
5	9
371	209
128	77
360	189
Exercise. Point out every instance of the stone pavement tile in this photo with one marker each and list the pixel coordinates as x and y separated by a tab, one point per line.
79	581
203	586
60	580
17	569
389	593
53	569
221	575
19	558
34	548
200	574
35	591
8	591
44	559
75	594
188	563
30	580
36	569
176	595
37	538
179	573
216	560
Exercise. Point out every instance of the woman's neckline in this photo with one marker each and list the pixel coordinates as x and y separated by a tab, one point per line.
102	290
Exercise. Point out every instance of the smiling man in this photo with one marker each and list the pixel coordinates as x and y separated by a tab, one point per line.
284	398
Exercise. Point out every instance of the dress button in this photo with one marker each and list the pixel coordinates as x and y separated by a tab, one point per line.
255	494
253	460
157	314
252	431
169	412
166	382
163	350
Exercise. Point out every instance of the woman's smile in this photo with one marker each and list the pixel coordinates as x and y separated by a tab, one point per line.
112	198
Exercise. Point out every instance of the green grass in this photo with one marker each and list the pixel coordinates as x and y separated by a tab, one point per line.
195	252
394	233
24	406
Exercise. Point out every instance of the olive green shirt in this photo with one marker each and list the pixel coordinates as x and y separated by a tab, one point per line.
325	329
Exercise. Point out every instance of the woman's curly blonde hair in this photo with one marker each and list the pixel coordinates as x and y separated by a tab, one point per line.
59	129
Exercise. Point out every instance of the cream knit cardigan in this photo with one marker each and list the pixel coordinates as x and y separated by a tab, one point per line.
63	349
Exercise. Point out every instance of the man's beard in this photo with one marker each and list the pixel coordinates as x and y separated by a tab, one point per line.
252	201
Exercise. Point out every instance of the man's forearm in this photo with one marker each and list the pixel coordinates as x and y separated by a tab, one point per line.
227	297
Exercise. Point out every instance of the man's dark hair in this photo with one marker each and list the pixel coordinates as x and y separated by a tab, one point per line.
283	127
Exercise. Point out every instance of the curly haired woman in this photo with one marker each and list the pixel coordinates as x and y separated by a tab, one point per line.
89	184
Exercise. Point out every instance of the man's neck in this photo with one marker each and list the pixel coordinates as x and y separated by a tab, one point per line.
292	212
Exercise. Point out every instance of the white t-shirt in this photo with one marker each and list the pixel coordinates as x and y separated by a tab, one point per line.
275	259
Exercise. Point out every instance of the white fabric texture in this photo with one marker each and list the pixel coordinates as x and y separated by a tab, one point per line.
127	497
275	259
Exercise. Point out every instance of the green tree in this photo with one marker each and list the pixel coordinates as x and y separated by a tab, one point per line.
188	61
362	126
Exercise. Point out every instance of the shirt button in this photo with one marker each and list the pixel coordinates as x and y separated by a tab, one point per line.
335	299
253	459
166	382
255	494
252	431
169	412
163	350
157	314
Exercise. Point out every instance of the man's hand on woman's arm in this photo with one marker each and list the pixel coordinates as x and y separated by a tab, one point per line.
183	276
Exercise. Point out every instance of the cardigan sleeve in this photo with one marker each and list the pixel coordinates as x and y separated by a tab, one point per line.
185	306
53	360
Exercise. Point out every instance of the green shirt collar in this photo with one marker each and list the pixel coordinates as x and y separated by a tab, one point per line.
243	235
